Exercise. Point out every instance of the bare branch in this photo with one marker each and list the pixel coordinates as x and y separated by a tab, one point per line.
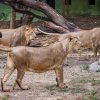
55	27
51	13
50	25
27	12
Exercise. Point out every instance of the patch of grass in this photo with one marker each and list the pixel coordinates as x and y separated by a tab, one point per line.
77	89
57	89
79	82
14	85
83	81
85	67
93	95
63	90
51	88
80	52
95	82
3	98
52	93
73	90
98	70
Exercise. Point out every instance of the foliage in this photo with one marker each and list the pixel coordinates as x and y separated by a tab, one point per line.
4	16
93	95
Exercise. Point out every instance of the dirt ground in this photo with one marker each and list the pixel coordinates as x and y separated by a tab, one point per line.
82	83
85	22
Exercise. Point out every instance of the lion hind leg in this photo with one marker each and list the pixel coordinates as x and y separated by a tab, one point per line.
20	75
7	73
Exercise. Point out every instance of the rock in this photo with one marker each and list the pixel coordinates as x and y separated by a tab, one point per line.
1	65
95	66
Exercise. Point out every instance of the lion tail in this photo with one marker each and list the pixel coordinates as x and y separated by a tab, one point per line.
47	32
5	49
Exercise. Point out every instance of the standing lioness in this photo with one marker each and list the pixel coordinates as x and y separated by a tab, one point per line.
18	36
89	38
38	60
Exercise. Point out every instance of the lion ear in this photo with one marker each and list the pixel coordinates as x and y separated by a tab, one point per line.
70	38
26	27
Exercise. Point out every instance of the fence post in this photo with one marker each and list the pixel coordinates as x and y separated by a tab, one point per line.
13	19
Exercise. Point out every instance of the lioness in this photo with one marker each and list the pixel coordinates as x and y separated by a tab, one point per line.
96	43
89	38
85	36
18	36
38	60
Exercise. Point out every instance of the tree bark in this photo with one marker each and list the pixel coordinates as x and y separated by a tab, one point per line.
63	7
26	19
50	25
67	8
49	12
13	19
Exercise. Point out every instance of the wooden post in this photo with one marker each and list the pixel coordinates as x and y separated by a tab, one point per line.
67	7
13	19
51	3
63	7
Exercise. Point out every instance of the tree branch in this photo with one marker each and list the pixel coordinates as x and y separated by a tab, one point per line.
55	17
27	12
50	25
51	13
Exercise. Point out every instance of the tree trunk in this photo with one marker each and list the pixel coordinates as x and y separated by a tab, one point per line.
67	8
13	19
26	19
51	13
63	7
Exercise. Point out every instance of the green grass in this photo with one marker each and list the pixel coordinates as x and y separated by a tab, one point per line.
54	89
86	67
93	95
79	82
3	98
5	13
95	82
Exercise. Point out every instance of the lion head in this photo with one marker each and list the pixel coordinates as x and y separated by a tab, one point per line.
29	33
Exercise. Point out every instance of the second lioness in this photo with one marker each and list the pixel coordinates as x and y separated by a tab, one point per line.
88	38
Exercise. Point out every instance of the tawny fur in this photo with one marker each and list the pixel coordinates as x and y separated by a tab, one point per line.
18	36
96	43
38	60
88	38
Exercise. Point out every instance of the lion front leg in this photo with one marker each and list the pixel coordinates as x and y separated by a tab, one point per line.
59	76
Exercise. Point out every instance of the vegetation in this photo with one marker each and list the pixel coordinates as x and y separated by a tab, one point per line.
93	95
